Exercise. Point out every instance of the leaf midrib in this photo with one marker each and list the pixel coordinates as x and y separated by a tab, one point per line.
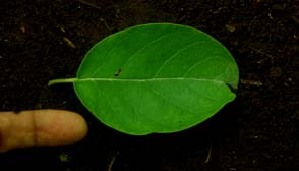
71	80
146	79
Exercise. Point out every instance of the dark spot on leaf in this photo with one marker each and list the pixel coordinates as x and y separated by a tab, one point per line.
117	73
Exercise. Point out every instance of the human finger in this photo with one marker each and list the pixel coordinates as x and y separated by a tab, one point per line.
40	128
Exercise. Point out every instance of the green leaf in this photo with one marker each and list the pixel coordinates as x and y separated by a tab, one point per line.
156	78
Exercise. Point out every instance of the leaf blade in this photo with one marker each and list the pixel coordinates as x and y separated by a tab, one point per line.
168	78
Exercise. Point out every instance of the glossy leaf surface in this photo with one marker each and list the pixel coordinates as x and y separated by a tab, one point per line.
158	77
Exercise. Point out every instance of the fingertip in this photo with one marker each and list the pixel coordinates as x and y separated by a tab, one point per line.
40	128
59	127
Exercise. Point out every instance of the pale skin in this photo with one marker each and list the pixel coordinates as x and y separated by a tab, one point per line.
40	128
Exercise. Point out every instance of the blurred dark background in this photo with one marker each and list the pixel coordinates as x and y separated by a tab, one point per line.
259	131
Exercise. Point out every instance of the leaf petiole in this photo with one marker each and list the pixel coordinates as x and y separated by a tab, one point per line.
62	80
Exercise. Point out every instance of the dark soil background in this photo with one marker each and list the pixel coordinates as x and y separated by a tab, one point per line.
259	131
